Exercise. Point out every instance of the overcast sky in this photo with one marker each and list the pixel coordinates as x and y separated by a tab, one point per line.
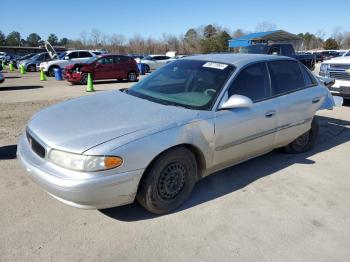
68	18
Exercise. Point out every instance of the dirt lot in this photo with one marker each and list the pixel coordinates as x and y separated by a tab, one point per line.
273	208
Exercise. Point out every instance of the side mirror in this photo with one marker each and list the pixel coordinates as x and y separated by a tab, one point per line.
237	101
98	65
327	81
66	58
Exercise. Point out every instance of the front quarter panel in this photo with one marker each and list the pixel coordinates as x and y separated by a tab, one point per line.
139	153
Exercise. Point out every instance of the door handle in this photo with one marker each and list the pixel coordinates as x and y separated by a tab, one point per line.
316	100
270	113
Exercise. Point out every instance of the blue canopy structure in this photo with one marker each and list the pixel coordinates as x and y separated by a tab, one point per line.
263	37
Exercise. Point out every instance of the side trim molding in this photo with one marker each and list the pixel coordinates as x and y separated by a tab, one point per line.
261	134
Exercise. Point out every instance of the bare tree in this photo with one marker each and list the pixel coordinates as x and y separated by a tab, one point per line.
83	37
237	33
117	42
337	35
95	37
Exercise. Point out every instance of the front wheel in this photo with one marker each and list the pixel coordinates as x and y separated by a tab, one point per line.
132	77
306	141
168	182
31	68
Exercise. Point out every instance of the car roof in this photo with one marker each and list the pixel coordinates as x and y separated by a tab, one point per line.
70	51
237	59
109	54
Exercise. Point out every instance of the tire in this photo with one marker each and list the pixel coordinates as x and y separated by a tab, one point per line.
51	71
168	182
132	77
306	141
31	68
84	79
147	69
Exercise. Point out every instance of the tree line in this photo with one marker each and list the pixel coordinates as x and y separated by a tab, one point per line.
204	39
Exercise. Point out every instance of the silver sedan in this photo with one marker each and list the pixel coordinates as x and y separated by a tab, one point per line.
152	142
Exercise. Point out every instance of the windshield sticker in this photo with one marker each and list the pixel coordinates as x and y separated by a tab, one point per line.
215	65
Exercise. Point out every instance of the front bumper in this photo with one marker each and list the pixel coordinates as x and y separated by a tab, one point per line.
94	190
341	88
73	77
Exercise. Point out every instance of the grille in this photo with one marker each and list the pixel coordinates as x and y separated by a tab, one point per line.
340	66
341	75
36	146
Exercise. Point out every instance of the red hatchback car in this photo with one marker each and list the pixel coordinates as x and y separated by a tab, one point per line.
103	67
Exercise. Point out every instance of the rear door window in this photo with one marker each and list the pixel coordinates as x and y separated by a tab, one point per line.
275	50
106	60
308	77
286	76
287	50
84	54
253	82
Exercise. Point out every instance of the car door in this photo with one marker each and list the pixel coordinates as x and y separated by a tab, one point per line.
243	133
118	68
73	57
299	97
104	68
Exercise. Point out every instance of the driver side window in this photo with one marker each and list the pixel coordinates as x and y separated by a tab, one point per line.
253	82
106	60
73	55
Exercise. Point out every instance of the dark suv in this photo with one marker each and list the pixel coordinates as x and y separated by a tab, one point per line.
103	67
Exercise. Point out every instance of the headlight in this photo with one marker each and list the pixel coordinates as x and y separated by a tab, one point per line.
324	67
85	163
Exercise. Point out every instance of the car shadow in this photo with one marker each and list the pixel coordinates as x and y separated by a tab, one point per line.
100	82
9	77
8	152
331	133
15	88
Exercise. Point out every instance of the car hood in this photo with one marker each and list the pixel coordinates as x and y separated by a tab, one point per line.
83	123
28	61
338	60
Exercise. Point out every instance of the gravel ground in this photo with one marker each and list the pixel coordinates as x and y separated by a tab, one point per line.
273	208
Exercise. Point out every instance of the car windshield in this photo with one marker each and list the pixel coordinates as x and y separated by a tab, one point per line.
92	59
188	83
62	55
148	58
27	56
36	57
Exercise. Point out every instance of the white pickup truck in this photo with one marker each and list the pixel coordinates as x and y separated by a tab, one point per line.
339	69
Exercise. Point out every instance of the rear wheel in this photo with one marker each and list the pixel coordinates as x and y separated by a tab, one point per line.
168	182
132	76
147	69
306	141
31	68
51	71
